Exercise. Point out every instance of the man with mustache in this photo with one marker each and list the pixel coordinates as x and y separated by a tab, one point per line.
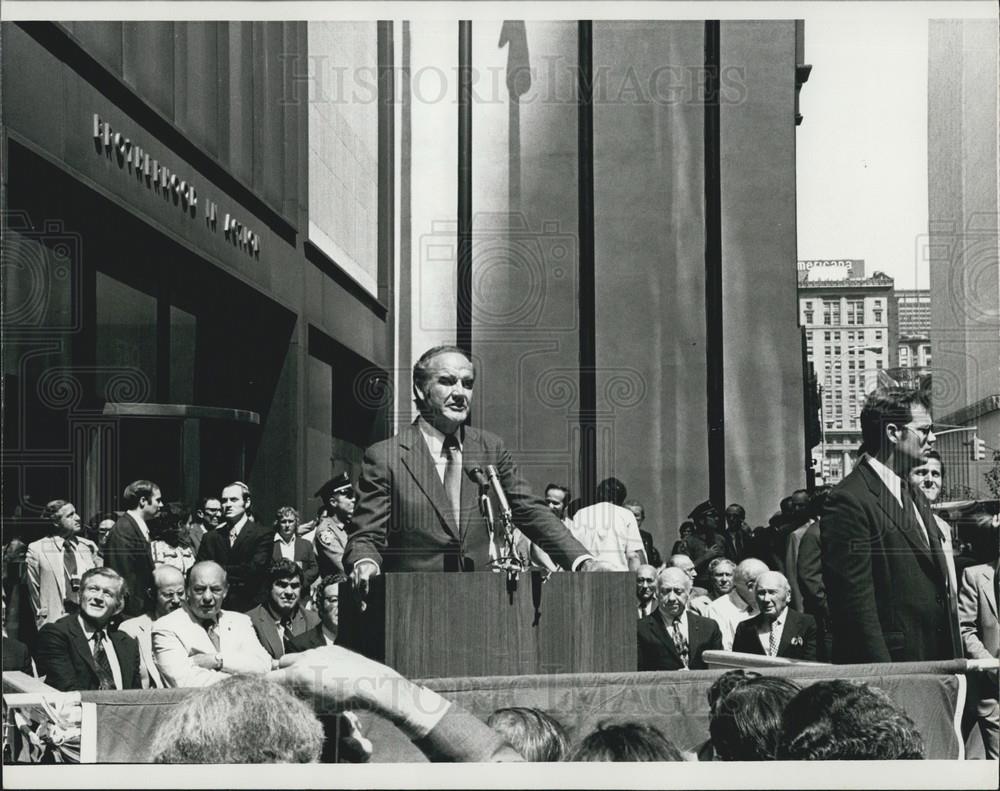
417	509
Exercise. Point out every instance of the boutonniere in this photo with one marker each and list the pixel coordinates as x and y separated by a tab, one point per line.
796	640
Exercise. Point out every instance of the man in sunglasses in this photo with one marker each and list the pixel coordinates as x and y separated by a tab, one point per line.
884	567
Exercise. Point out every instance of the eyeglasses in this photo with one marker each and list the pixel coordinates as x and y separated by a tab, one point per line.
923	431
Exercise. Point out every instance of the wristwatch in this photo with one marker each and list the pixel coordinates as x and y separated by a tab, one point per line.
218	661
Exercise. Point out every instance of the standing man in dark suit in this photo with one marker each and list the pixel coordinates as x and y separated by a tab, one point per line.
417	509
883	563
288	546
241	546
127	550
776	630
671	637
78	652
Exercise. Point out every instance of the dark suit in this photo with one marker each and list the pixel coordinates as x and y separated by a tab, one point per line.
65	658
267	629
809	571
652	553
246	562
887	589
403	520
313	638
657	650
127	552
16	656
798	637
305	556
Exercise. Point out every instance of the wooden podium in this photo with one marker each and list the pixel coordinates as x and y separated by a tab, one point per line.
435	625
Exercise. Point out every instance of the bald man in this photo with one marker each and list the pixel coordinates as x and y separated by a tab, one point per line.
739	604
200	643
166	595
776	630
672	638
645	589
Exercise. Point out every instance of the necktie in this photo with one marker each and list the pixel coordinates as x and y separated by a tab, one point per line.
232	537
72	578
680	642
453	477
104	674
772	641
213	634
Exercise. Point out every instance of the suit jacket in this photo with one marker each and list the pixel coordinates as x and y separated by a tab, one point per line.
977	613
403	520
47	575
311	638
65	659
177	637
809	573
140	629
798	627
792	565
652	553
16	656
267	629
657	650
305	555
245	562
128	553
887	590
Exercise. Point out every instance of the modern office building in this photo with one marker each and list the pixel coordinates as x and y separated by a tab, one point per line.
851	326
226	243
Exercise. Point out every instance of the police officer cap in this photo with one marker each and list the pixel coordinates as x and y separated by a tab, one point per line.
702	509
336	484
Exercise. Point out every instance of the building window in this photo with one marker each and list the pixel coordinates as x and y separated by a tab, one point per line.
855	311
826	336
878	315
831	312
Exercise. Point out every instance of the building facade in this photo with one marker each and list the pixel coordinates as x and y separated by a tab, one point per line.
851	327
914	347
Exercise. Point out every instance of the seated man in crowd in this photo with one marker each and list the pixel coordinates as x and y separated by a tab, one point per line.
645	589
776	630
78	652
200	643
673	638
281	617
739	604
327	601
167	596
720	577
746	721
535	735
698	601
15	653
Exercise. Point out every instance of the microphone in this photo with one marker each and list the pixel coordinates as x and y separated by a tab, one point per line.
491	471
477	477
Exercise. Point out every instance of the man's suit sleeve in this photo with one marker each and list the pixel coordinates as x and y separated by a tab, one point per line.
647	653
968	616
206	549
745	641
176	668
52	653
460	737
372	512
810	574
32	563
310	566
809	638
845	538
134	679
535	519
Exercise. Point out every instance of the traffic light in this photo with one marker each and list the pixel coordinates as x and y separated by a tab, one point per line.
978	448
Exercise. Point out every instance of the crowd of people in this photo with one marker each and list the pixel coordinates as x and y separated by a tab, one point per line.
160	595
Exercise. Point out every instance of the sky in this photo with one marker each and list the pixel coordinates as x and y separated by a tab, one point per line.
862	147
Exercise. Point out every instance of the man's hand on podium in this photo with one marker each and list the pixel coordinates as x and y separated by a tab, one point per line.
596	565
363	571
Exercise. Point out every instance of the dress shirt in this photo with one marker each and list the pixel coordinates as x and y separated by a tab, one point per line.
143	527
764	632
287	547
109	650
895	484
328	636
435	444
84	560
235	532
647	608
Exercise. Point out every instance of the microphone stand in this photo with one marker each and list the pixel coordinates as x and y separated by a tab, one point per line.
508	560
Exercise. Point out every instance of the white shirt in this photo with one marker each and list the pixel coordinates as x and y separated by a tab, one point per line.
143	527
895	484
729	611
287	548
609	532
329	636
435	444
109	650
764	630
235	532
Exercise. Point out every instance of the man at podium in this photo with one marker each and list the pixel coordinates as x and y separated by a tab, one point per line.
417	505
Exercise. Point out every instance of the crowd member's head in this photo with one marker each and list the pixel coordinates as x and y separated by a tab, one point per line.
799	500
673	589
99	527
62	518
746	722
209	512
745	577
727	682
537	736
772	592
285	580
338	495
896	427
685	564
328	601
735	516
286	520
645	583
630	741
443	379
638	511
143	498
705	516
557	498
611	490
241	720
102	596
929	476
168	590
171	524
846	720
235	502
206	589
686	529
720	577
